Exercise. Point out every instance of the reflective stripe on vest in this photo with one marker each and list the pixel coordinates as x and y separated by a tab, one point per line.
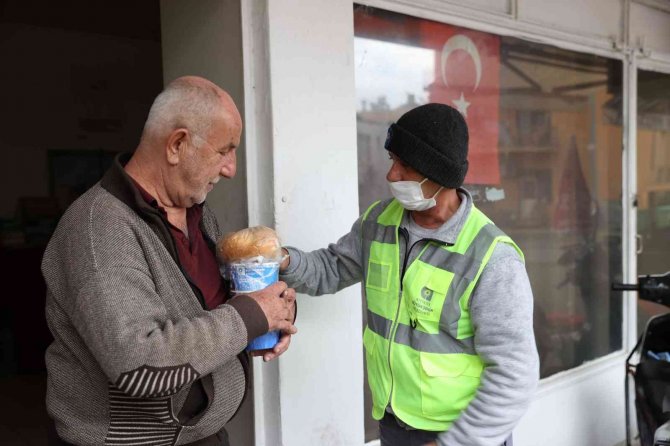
419	340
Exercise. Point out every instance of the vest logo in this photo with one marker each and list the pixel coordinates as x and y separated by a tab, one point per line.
427	293
421	304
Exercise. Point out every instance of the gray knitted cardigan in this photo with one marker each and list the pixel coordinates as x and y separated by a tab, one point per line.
132	340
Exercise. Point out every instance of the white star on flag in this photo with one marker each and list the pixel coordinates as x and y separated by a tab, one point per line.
462	105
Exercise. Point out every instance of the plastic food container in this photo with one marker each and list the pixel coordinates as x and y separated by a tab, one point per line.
248	277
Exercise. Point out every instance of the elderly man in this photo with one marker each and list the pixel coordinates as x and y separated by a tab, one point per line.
148	346
451	356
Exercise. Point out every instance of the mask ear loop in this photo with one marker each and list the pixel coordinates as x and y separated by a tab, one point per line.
438	191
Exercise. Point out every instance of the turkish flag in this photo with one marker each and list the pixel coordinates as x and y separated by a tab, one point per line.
467	77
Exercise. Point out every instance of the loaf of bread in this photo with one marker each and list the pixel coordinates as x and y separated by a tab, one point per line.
249	243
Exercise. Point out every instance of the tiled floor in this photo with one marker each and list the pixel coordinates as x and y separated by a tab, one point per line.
23	415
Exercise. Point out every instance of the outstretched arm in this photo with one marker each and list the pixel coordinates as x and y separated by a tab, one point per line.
328	270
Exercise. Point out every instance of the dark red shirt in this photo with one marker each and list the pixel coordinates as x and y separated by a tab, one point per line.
197	260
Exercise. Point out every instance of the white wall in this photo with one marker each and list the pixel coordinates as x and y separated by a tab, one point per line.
650	29
306	55
596	18
204	38
578	408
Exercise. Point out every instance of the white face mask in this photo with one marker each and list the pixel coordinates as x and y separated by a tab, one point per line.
410	195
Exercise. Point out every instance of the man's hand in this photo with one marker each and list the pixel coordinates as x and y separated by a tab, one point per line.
277	350
285	339
432	443
278	304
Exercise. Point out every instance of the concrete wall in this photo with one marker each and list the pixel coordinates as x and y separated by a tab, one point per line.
203	37
302	77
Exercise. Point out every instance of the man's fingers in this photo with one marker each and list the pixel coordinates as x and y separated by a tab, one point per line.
279	288
283	344
288	310
289	295
260	352
289	300
287	328
278	349
275	289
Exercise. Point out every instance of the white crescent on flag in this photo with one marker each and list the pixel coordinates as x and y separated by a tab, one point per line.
461	42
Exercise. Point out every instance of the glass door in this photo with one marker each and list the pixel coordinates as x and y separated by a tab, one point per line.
653	182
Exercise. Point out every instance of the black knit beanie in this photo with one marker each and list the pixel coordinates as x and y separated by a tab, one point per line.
432	139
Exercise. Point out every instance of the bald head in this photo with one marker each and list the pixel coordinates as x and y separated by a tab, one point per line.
189	102
189	142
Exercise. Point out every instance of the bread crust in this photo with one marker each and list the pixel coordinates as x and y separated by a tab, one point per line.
249	243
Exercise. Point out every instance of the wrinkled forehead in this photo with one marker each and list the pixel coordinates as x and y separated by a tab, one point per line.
226	128
230	111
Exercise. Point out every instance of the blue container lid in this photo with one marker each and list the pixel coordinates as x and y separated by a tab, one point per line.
264	342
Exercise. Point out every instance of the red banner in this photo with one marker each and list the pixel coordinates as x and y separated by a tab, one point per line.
467	77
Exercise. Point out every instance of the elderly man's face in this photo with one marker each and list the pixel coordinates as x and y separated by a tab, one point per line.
209	158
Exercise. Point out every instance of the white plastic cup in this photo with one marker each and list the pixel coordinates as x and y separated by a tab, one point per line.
248	277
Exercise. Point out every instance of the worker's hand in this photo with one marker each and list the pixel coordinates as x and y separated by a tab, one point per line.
287	260
278	304
290	295
431	443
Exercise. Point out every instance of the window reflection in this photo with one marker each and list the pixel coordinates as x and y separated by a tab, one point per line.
653	164
545	158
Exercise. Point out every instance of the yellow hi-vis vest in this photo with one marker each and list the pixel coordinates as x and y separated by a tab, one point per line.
419	340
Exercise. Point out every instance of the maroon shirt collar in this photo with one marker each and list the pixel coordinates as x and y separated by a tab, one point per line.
196	258
193	214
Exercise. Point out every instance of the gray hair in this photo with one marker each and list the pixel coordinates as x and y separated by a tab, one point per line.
183	104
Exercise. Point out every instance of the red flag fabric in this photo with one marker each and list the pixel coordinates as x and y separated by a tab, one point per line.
467	77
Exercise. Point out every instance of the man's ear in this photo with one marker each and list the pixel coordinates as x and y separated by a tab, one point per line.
176	146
